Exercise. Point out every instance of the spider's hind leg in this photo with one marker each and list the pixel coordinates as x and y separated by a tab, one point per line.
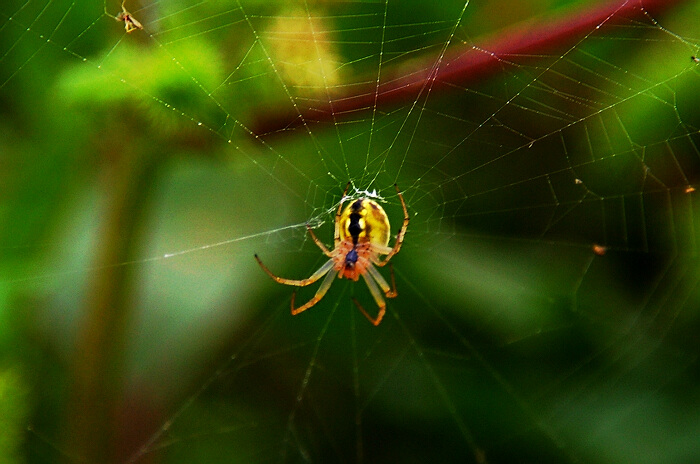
320	293
380	315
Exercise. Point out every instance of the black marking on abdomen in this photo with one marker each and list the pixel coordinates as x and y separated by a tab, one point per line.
354	228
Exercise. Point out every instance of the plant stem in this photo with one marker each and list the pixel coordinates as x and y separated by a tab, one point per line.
98	359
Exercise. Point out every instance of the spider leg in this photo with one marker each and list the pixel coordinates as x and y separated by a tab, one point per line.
379	249
318	242
337	216
390	292
400	235
298	283
320	293
378	298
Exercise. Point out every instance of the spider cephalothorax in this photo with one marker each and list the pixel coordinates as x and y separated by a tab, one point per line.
361	235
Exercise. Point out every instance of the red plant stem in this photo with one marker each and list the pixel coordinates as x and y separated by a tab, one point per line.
468	64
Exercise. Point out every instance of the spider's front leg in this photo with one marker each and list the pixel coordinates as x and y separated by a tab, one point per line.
336	237
400	235
318	242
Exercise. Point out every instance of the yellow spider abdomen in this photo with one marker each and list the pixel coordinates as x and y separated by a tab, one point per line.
364	221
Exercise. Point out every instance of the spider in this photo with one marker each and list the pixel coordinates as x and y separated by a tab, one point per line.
361	235
130	23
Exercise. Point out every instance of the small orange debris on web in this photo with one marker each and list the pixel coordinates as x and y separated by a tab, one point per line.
600	250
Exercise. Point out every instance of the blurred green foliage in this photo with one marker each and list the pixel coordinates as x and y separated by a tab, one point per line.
14	414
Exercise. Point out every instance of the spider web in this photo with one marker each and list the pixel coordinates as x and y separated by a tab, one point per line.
548	281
